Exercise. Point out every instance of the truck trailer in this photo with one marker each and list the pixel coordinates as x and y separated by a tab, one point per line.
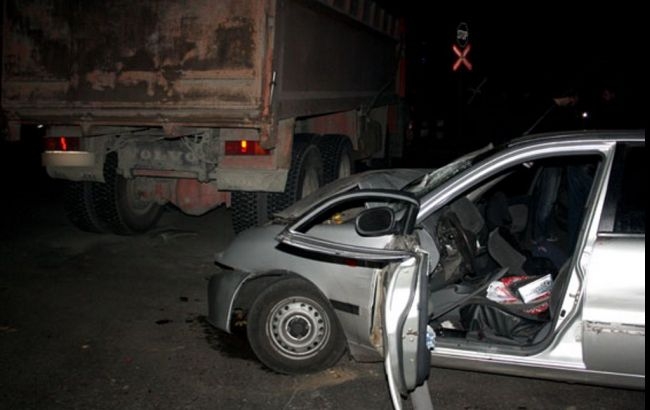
200	103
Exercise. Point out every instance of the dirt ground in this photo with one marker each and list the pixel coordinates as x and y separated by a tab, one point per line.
92	321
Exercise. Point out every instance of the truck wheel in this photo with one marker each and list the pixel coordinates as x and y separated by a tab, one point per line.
305	176
336	152
292	329
120	207
248	209
80	206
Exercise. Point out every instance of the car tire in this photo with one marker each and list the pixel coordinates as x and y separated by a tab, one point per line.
305	176
119	207
293	329
337	155
80	206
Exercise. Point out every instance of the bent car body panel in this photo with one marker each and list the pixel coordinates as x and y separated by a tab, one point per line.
404	319
222	291
256	251
393	179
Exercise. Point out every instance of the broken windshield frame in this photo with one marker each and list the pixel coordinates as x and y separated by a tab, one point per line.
419	186
437	177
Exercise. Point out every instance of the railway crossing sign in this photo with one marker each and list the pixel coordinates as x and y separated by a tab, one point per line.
461	48
462	60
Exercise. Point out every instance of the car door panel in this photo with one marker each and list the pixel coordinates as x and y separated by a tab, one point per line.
407	358
614	307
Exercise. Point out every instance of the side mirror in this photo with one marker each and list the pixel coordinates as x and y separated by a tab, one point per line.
375	222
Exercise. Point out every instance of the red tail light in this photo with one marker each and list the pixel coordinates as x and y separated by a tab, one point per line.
62	143
245	147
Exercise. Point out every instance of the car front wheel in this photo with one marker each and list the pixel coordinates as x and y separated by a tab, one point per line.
292	329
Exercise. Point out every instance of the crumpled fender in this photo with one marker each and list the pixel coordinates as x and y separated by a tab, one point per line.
223	289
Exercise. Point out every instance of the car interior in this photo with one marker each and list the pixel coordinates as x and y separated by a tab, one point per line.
499	282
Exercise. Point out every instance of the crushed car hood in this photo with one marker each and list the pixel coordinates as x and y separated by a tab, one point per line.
378	179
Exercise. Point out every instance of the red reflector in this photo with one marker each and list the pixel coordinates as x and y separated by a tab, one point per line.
62	143
244	147
352	263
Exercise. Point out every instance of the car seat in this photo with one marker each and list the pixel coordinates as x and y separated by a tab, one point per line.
513	324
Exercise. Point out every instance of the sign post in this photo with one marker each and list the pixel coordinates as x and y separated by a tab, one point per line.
461	51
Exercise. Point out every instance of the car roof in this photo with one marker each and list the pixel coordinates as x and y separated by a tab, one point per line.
608	135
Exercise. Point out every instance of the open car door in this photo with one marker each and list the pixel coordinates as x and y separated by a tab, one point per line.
404	309
406	349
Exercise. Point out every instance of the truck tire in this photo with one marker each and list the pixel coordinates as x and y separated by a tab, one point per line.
336	153
80	206
305	176
248	209
293	329
119	208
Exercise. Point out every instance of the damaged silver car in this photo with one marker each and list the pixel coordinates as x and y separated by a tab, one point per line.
527	260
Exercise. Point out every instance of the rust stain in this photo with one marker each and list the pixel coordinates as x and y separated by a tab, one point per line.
132	51
615	328
234	43
100	80
268	79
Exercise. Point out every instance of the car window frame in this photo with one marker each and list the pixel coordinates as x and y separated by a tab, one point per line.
468	180
297	235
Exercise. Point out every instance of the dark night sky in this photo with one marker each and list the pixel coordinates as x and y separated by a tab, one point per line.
557	47
536	50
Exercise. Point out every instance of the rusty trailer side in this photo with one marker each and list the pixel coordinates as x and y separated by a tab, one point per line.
228	63
119	62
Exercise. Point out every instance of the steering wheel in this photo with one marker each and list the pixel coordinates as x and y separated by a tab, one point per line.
456	236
